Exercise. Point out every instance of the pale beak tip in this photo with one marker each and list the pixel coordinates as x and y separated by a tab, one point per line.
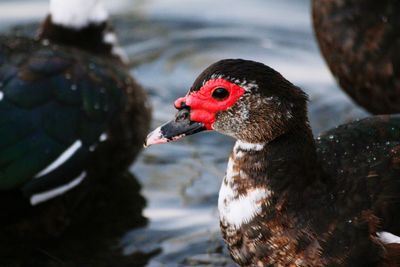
155	137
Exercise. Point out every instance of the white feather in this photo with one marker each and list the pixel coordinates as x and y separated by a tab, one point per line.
111	39
68	153
248	146
103	137
44	196
388	238
235	209
77	13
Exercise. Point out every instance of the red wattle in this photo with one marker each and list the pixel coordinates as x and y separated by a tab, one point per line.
203	107
203	116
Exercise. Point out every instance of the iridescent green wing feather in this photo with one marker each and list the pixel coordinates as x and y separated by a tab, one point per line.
54	102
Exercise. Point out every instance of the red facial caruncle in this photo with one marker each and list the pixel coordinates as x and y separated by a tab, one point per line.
214	96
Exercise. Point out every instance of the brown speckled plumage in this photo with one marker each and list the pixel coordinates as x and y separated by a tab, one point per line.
328	216
360	41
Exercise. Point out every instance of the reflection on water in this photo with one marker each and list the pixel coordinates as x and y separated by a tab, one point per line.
169	43
81	228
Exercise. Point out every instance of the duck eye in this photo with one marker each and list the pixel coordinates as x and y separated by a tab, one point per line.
220	93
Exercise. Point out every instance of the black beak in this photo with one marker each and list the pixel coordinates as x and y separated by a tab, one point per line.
174	129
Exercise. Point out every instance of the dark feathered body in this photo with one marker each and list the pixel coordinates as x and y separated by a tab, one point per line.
54	95
325	211
360	42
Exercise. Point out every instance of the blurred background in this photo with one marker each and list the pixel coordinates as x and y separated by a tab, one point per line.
169	43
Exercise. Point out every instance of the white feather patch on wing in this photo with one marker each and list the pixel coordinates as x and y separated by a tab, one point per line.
44	196
68	153
388	238
77	13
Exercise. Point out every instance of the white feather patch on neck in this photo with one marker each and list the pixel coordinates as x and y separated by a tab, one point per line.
77	13
388	238
236	209
248	146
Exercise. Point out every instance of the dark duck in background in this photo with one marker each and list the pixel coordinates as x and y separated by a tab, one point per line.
360	41
68	104
287	199
72	120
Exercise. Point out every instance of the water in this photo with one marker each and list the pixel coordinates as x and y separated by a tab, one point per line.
169	43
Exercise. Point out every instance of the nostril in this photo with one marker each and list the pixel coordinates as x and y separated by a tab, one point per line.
182	115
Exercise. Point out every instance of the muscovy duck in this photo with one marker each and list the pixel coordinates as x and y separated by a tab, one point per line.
68	104
287	199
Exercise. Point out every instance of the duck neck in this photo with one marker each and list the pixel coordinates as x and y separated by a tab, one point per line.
283	174
81	24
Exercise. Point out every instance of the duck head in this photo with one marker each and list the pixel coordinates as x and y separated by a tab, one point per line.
246	100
